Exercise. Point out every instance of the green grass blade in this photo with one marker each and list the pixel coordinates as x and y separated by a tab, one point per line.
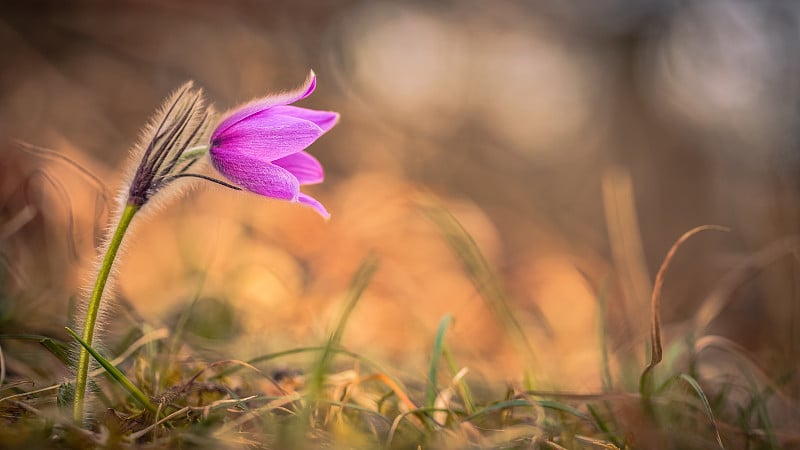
116	374
436	354
759	403
479	270
549	404
360	281
706	405
57	349
603	426
54	346
463	387
557	406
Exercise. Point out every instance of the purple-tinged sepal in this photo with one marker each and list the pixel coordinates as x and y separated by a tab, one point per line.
260	146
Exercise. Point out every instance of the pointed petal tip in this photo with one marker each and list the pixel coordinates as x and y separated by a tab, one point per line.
263	104
308	86
314	203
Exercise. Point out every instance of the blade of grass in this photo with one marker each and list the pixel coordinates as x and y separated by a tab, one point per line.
603	426
408	415
706	405
549	404
116	374
54	387
479	270
54	346
596	442
436	354
463	387
746	363
760	404
148	338
299	350
58	350
359	283
656	349
395	388
627	249
2	367
745	271
602	300
278	403
556	406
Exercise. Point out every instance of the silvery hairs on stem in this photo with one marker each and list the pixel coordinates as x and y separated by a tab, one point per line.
174	142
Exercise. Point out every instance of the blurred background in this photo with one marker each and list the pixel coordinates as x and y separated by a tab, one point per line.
575	141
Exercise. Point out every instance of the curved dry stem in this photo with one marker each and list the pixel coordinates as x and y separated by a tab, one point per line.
656	350
748	269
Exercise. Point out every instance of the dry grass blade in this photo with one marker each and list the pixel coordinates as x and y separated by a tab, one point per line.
25	394
463	387
52	154
94	438
140	433
510	437
385	379
656	349
627	250
445	395
2	368
551	444
587	397
64	201
596	442
102	192
254	414
746	364
224	362
155	335
186	409
746	270
19	220
412	418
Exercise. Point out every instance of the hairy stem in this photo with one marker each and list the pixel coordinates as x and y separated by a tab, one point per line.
94	306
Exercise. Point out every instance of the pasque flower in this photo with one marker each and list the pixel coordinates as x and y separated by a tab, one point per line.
260	146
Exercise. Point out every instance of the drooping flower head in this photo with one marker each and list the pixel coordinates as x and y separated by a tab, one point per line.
260	146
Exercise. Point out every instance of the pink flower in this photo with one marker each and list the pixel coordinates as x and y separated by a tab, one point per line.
261	146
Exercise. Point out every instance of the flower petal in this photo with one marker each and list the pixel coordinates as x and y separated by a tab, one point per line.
314	203
257	175
267	136
303	166
324	119
256	106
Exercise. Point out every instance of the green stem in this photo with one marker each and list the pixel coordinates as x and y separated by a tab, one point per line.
94	307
